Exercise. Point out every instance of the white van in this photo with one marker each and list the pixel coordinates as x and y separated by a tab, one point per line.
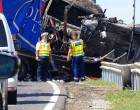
7	46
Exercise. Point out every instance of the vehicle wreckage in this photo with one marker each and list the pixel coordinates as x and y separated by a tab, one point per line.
106	39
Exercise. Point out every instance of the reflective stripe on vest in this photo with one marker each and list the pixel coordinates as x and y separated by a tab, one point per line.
77	48
44	49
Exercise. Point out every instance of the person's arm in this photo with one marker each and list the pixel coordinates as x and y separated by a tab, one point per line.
69	53
84	45
50	52
37	54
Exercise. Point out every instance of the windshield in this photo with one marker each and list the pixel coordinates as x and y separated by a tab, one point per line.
3	40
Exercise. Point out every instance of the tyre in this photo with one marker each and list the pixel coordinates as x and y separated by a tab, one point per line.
23	72
12	97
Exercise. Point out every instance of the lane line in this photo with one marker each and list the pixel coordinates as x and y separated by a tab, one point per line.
54	97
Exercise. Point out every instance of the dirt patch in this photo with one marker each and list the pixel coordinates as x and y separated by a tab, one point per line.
87	97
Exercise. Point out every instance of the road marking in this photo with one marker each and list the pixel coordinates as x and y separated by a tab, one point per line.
54	97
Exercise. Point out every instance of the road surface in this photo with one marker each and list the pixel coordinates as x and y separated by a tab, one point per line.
40	96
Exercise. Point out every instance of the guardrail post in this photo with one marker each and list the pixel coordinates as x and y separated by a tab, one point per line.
135	76
135	82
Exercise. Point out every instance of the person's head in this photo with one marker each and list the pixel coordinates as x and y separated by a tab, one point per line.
13	36
74	34
45	36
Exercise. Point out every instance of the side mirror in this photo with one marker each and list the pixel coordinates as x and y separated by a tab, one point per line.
9	66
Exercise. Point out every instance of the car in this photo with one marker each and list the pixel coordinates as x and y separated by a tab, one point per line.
8	68
7	46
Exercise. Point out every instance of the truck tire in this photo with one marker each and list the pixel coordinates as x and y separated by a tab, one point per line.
23	72
12	97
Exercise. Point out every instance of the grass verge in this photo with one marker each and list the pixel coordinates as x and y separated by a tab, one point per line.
120	99
124	100
99	82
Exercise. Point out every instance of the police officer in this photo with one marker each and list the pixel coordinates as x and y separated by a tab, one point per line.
76	52
43	56
17	44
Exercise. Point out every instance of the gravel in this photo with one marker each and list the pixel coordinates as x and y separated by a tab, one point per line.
86	97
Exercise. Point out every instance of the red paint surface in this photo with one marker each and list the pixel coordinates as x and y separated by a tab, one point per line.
0	6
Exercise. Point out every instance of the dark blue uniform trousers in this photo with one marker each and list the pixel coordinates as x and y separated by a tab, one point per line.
42	70
78	67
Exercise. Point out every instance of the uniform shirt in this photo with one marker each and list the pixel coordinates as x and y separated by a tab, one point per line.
70	47
38	45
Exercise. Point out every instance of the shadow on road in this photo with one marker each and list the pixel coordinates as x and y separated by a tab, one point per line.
39	95
33	102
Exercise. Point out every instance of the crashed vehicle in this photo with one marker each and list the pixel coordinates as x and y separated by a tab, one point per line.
59	17
24	22
59	23
102	36
109	34
106	39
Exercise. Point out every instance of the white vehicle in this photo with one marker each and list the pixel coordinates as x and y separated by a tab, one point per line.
8	68
7	46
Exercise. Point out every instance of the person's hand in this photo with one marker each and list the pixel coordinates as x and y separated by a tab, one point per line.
37	59
68	58
16	53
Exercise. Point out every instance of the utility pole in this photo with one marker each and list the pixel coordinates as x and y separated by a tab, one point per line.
133	30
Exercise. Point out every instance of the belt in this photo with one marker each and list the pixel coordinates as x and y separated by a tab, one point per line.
44	57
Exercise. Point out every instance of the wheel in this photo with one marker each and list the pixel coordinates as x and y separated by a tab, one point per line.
12	97
23	72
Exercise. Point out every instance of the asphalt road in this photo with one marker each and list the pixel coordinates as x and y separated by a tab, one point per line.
40	96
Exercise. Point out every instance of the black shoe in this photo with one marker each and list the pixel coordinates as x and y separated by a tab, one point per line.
44	80
39	80
76	80
48	79
82	79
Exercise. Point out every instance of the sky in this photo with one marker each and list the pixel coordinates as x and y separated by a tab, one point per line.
122	9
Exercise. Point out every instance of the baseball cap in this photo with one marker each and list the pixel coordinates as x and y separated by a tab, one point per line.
44	34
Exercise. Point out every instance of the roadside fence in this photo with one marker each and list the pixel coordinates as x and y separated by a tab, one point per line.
116	73
135	76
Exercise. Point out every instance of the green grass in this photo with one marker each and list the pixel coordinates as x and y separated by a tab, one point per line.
99	82
124	100
120	99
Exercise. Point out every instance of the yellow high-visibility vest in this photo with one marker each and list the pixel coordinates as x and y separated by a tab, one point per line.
44	49
77	48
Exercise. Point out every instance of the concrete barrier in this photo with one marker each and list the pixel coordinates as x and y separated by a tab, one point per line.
116	73
135	76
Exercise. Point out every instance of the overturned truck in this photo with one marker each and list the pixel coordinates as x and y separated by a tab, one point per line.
106	39
111	34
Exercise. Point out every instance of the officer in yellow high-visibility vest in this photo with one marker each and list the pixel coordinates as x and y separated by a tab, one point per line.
43	56
76	53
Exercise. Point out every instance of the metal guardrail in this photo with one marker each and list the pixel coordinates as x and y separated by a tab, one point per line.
116	73
135	76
